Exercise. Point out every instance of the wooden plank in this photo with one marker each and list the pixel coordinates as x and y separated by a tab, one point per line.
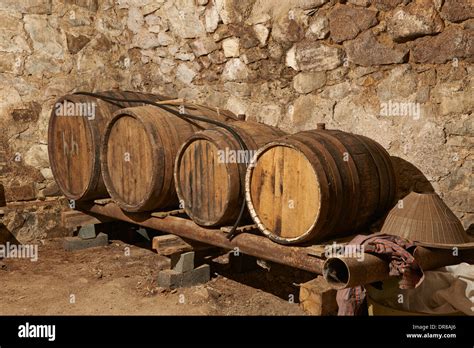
317	250
318	298
286	205
74	218
170	244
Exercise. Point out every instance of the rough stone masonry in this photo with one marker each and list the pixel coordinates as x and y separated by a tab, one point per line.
289	64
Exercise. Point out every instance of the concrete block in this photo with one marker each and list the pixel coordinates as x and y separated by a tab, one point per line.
170	279
76	243
182	262
87	232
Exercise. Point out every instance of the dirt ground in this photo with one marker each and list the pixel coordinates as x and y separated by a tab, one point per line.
109	281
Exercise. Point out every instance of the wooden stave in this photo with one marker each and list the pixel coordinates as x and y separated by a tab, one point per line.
362	183
329	151
353	179
291	142
387	171
214	137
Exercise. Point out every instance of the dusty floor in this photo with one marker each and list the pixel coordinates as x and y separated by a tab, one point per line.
105	281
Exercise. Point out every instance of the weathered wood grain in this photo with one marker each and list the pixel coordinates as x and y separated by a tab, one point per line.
207	171
318	184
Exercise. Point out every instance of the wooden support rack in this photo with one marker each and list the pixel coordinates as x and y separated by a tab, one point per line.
248	242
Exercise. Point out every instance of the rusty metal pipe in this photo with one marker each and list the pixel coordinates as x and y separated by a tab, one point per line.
435	258
347	272
250	244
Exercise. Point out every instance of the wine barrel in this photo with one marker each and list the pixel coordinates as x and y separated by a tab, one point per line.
318	184
75	131
209	167
139	150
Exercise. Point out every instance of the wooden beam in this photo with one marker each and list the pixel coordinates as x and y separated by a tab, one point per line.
170	244
317	297
247	243
75	218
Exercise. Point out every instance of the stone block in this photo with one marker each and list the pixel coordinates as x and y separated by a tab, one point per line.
318	27
184	19
413	21
26	192
346	22
29	6
75	43
314	55
386	5
451	43
306	82
30	113
91	5
235	70
457	10
203	46
366	50
231	47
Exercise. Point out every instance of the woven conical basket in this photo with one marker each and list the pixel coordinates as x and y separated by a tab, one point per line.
425	219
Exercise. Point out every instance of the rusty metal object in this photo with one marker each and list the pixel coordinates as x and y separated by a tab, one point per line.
347	272
250	244
434	258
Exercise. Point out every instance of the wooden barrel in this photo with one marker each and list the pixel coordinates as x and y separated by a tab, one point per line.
209	167
139	150
76	127
319	184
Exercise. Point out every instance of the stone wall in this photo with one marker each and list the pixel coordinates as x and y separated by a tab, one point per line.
398	71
